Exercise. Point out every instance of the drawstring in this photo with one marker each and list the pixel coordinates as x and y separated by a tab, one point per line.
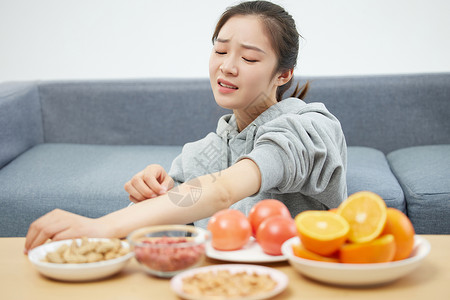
250	138
225	149
249	141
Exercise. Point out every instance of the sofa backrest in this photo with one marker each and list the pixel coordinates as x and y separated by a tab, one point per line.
383	112
120	112
388	112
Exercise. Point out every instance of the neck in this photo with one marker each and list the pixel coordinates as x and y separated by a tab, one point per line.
247	115
243	118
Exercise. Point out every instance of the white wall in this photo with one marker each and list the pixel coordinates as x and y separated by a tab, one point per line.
101	39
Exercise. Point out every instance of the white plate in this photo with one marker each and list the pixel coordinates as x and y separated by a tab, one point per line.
357	274
250	253
176	283
76	272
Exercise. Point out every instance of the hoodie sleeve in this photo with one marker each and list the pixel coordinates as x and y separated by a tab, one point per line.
198	158
176	170
300	153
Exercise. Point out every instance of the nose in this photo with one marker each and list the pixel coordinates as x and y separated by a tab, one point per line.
229	67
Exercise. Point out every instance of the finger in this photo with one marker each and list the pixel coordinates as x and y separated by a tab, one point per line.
31	236
34	231
133	192
45	234
155	185
153	176
44	228
134	200
168	183
142	188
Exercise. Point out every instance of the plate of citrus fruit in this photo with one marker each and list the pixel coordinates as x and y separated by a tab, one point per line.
362	242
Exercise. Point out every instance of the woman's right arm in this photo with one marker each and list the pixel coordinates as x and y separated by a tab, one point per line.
217	192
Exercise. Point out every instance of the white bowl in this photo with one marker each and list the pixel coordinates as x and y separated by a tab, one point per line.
76	272
176	283
357	274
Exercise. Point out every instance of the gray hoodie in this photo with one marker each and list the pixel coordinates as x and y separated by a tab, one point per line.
300	150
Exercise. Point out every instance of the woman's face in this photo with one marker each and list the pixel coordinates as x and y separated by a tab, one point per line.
242	64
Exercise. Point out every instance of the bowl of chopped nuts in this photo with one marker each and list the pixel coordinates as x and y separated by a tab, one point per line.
229	281
167	250
82	259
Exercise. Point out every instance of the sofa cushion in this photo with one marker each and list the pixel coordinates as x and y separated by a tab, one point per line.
82	179
424	174
368	170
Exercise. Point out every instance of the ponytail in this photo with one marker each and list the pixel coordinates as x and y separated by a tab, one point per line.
299	91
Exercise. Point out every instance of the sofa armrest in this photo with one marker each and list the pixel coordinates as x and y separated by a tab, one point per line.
20	119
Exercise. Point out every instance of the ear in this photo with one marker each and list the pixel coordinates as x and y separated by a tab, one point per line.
284	77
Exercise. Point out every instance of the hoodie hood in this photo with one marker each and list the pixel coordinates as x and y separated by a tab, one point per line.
227	124
228	131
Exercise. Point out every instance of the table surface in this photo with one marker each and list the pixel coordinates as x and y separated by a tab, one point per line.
19	280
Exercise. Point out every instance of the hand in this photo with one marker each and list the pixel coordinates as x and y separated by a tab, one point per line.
59	225
149	183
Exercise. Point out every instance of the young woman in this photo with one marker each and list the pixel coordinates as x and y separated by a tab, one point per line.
268	148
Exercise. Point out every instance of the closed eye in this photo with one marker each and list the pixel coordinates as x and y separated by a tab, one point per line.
220	53
249	60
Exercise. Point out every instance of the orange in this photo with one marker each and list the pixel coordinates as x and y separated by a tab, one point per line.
379	250
300	251
366	213
322	232
399	225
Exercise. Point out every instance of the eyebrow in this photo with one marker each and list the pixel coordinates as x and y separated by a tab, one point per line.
242	45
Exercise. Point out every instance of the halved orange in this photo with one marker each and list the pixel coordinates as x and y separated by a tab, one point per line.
379	250
300	251
321	232
366	213
399	225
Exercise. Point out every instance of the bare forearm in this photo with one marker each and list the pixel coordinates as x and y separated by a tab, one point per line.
202	198
194	200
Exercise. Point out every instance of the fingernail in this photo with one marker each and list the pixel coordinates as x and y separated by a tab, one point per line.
163	191
25	251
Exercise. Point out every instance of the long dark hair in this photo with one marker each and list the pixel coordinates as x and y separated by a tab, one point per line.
282	33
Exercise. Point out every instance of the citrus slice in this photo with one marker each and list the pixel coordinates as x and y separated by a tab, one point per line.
321	232
379	250
399	225
366	214
300	251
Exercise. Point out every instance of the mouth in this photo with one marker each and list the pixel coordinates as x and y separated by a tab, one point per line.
226	84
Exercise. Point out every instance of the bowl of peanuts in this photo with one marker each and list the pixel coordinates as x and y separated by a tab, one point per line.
83	259
167	250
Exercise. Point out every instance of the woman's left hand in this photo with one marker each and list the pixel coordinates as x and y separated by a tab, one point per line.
59	225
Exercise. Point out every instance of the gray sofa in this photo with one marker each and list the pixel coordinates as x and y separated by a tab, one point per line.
73	144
